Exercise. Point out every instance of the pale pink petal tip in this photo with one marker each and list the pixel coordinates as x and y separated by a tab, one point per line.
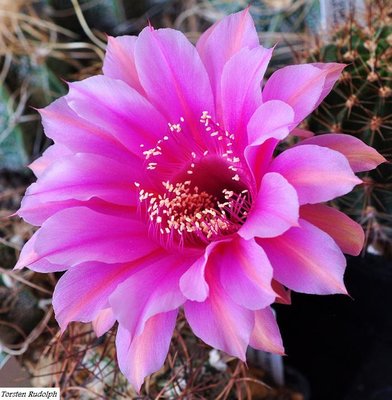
265	335
360	156
145	354
103	322
347	233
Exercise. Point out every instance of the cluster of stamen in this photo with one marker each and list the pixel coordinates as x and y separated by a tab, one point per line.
182	212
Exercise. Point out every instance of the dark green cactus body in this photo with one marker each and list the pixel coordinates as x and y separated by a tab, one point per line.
361	105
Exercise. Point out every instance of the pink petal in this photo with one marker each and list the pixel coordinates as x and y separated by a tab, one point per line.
84	176
118	109
245	273
259	158
360	156
333	71
348	235
146	353
119	62
104	321
81	135
274	210
271	120
224	39
192	283
283	294
266	335
150	291
220	322
36	212
306	260
79	234
51	154
241	96
83	291
173	76
301	86
28	256
317	173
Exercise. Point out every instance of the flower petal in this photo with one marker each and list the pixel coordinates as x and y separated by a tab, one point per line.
50	155
274	210
265	334
150	291
104	321
74	300
119	62
79	234
333	71
29	256
118	109
306	260
224	39
241	96
146	353
169	65
259	158
84	176
317	173
81	135
193	283
245	273
220	322
36	211
283	295
271	120
303	87
360	156
348	234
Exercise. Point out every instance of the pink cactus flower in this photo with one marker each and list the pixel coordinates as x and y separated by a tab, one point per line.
163	190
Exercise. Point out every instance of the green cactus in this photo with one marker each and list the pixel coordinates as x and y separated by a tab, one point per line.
361	105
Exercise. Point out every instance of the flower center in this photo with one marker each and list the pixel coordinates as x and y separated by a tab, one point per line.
204	201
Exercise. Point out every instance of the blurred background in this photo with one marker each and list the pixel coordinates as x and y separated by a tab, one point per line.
337	347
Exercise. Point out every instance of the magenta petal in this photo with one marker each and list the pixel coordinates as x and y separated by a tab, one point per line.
259	158
75	300
300	86
119	62
360	156
193	283
274	211
118	109
104	321
266	335
224	39
306	260
51	154
241	96
169	65
79	234
140	356
348	234
150	291
272	119
29	256
36	212
333	71
245	273
317	173
81	135
220	322
84	176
